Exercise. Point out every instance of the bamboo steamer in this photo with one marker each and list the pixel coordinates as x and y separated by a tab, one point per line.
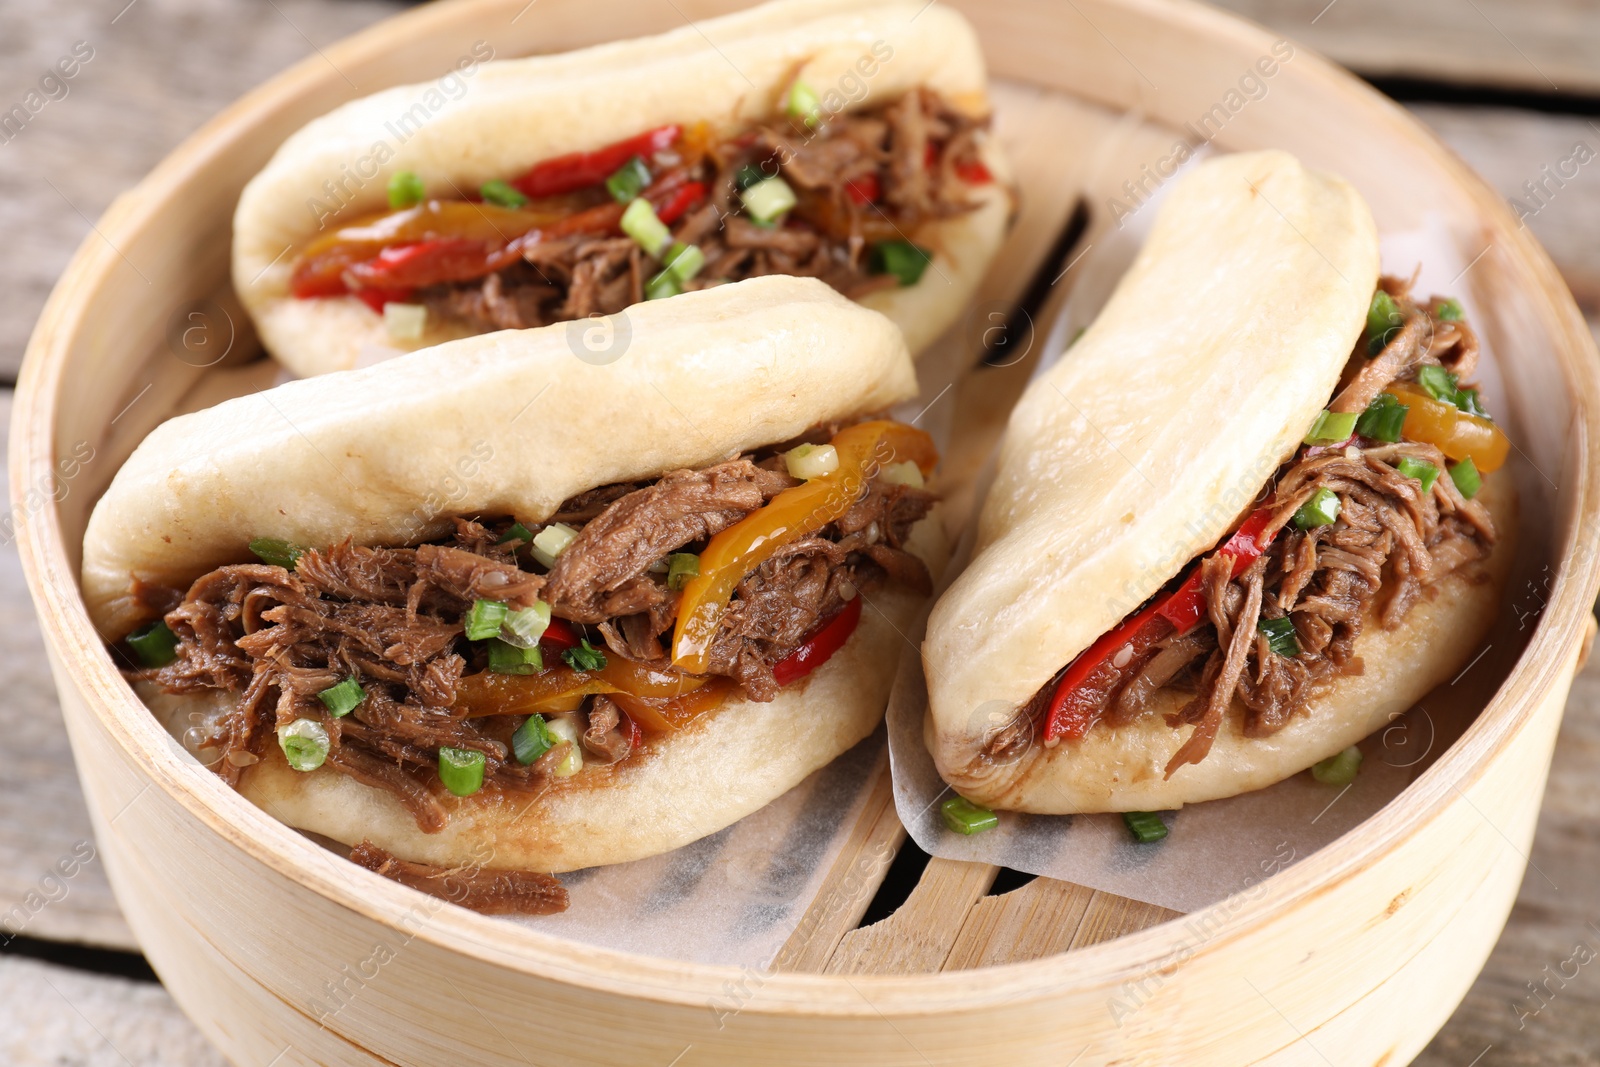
1355	955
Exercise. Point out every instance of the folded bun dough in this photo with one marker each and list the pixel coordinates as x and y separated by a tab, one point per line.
375	454
1123	768
727	72
509	423
1144	445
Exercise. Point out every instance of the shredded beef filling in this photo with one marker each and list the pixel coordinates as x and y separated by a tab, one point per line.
493	892
1389	543
914	148
392	618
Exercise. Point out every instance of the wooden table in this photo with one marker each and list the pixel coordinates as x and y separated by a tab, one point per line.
1514	87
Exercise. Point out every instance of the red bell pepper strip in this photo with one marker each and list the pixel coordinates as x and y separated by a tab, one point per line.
973	172
1076	704
577	170
559	634
606	218
865	189
670	194
823	642
1186	605
444	259
673	208
458	259
410	265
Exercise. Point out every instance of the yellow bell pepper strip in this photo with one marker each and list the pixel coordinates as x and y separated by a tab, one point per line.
864	450
561	689
1454	432
455	240
664	716
490	228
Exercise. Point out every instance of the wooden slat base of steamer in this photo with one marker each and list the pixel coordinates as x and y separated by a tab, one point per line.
949	922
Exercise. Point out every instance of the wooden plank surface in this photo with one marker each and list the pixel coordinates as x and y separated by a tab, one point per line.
1545	47
1537	1003
68	1018
51	882
156	70
1548	169
160	67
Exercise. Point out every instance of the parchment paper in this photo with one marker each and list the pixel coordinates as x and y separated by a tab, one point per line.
1221	847
734	897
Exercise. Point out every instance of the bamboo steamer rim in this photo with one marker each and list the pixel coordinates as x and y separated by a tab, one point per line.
524	949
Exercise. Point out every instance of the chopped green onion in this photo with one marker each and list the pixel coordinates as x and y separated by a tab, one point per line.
1449	311
304	743
404	322
811	461
1440	383
1383	317
461	770
1420	469
501	193
965	817
518	532
768	198
1332	428
527	625
1145	826
565	728
1443	385
684	261
628	181
907	473
1383	418
506	658
483	619
661	286
584	658
405	190
1320	510
641	223
155	645
1467	400
1338	769
803	104
342	699
681	566
749	175
1468	480
903	259
1280	634
283	554
532	740
551	541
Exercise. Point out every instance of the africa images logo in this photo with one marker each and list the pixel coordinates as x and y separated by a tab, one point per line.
600	339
